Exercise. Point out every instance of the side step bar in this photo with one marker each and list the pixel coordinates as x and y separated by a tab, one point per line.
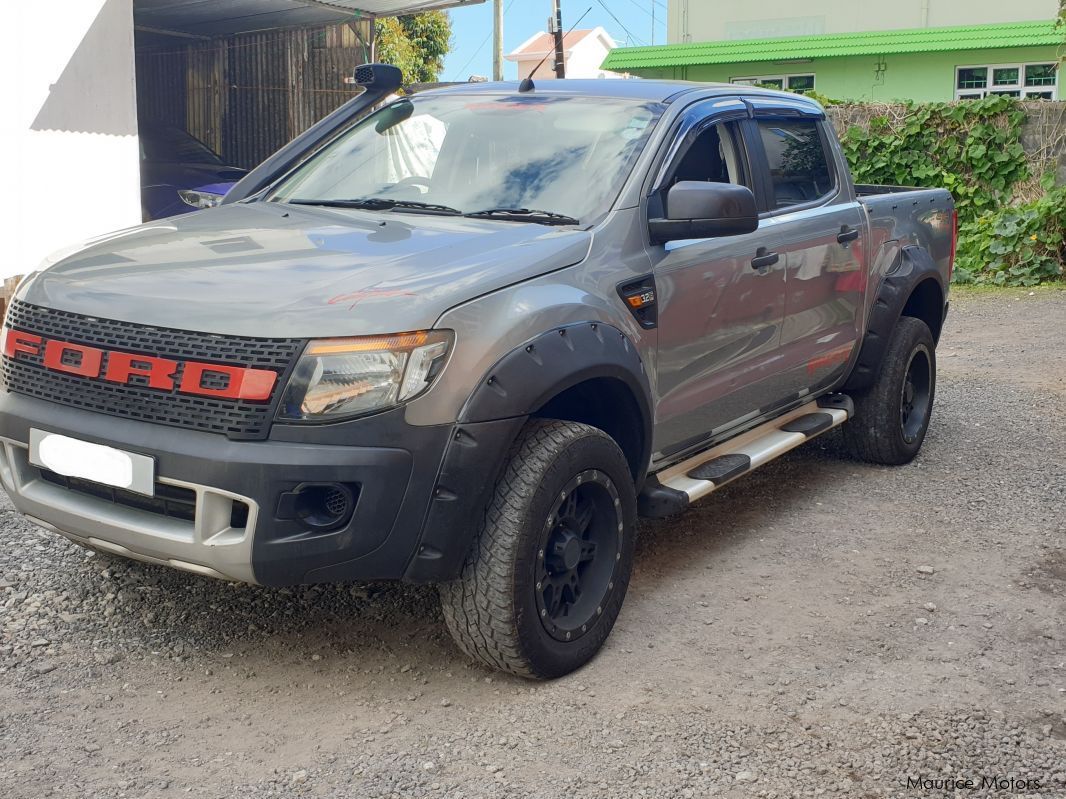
672	490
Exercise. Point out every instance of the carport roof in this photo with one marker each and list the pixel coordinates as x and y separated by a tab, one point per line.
223	17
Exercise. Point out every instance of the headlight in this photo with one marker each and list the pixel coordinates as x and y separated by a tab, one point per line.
350	376
200	199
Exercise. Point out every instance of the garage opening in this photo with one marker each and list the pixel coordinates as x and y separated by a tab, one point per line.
222	84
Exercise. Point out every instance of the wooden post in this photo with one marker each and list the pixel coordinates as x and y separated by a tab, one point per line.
497	40
560	56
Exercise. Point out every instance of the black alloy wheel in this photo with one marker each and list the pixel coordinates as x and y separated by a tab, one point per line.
582	542
915	400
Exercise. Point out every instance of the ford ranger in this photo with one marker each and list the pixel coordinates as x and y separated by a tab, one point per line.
467	337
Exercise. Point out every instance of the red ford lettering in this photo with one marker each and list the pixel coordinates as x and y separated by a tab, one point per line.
74	359
246	384
222	380
121	366
15	341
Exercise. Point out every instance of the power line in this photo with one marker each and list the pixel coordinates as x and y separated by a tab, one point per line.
655	21
622	26
642	8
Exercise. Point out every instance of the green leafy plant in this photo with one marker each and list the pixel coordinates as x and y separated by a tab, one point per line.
416	44
1011	225
973	149
1019	245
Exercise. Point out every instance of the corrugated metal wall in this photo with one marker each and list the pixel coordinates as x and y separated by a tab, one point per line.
247	95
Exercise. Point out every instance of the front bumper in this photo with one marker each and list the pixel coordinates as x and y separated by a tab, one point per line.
416	488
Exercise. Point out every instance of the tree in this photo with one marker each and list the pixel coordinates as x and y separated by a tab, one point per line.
416	44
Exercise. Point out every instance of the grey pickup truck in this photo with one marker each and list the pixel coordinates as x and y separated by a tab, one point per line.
468	336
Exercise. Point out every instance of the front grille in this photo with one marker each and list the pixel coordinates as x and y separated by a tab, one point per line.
238	419
174	502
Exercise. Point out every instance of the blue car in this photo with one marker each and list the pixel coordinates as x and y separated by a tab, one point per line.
179	173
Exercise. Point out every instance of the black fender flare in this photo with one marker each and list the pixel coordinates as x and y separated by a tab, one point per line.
526	378
517	385
914	266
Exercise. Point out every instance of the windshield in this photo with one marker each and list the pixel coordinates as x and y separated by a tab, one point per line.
567	156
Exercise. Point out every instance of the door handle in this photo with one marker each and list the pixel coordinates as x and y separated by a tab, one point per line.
764	258
847	234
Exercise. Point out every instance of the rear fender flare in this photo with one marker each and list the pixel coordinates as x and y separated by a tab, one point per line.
914	266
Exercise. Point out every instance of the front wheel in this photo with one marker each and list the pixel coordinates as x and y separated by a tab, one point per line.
545	578
892	416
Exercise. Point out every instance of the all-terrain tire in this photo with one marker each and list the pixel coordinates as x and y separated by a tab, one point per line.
892	416
497	611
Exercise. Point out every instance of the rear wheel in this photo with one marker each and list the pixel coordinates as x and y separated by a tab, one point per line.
546	576
892	416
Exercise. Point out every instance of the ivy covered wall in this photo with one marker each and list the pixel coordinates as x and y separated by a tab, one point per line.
1004	161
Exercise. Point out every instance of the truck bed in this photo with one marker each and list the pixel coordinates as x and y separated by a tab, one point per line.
868	189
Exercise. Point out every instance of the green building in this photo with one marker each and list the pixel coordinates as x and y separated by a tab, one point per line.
1020	59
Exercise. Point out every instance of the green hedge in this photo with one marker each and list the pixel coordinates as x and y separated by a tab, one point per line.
1011	221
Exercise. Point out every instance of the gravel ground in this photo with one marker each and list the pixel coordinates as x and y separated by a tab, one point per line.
821	627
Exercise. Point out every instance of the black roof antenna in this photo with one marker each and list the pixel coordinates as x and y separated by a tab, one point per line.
527	82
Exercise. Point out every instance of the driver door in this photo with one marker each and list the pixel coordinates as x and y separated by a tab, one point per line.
719	316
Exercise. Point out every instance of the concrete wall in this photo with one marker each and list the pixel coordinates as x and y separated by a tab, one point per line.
703	21
68	126
925	77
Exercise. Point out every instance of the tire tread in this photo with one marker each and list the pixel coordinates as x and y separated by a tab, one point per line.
872	436
479	607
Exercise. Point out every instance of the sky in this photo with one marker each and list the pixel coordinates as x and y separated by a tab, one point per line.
471	53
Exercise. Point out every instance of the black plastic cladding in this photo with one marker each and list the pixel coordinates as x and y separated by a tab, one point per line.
915	266
236	419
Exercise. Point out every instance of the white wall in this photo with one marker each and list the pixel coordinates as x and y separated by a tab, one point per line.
585	59
702	20
68	126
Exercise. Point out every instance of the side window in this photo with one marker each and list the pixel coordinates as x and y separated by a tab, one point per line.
799	167
712	157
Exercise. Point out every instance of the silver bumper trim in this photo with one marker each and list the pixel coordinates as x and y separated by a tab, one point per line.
207	545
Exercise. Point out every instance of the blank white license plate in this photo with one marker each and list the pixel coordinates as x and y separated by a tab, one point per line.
71	457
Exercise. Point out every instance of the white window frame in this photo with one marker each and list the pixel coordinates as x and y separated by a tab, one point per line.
751	81
1018	86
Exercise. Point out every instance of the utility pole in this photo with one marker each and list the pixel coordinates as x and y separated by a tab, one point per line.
497	40
560	58
652	23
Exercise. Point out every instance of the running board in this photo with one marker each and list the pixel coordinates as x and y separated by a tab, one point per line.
672	490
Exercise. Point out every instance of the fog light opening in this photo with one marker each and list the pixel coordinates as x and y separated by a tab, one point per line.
325	506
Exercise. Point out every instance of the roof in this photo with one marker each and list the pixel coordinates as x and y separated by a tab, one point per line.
661	91
636	89
829	45
220	17
541	44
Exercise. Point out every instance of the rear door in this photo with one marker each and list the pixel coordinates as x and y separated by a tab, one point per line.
719	317
814	223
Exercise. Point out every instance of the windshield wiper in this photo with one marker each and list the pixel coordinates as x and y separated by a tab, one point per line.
524	215
384	204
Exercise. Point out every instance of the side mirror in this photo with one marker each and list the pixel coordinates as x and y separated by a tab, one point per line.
699	210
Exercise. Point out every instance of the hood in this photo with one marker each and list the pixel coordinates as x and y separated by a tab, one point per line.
272	270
